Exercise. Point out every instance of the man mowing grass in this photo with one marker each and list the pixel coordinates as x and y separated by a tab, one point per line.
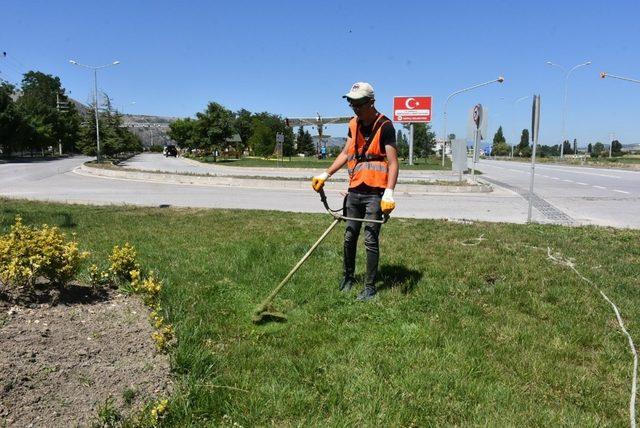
372	161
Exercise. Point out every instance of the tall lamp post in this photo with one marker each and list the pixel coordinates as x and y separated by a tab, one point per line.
95	97
567	74
628	79
500	79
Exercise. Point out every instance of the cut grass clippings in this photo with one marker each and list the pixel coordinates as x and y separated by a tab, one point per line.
464	331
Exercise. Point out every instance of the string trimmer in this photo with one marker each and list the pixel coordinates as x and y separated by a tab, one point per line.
264	312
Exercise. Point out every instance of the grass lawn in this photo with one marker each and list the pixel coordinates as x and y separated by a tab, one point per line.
486	334
431	163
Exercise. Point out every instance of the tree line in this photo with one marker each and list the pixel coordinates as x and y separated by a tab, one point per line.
38	117
524	147
424	140
212	132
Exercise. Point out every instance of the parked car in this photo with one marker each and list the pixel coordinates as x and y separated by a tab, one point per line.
170	150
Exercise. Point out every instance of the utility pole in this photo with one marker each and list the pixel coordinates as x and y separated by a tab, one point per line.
61	106
611	138
95	98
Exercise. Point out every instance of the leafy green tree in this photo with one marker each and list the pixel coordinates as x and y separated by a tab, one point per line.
589	148
424	139
616	148
48	125
11	123
500	146
244	126
263	140
184	132
523	149
114	138
402	145
566	148
215	125
598	149
575	146
305	142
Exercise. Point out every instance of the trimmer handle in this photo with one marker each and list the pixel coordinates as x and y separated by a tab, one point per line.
334	214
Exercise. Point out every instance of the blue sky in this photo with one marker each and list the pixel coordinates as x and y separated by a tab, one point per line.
297	58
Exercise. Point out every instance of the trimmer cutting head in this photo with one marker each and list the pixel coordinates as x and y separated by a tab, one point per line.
268	314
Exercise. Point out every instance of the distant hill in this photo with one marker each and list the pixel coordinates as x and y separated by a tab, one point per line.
330	141
152	130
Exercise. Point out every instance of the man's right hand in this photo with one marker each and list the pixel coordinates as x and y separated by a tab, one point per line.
317	182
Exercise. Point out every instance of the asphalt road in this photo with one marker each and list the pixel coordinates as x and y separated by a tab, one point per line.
577	201
583	194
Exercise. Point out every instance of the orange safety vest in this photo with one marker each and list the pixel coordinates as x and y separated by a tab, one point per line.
366	162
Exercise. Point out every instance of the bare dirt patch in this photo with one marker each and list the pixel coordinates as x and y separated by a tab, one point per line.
60	363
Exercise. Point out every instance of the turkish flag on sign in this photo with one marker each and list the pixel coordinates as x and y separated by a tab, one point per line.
412	109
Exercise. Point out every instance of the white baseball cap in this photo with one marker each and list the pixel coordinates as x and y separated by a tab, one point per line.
360	90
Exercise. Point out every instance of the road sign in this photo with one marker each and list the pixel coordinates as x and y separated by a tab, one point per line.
477	115
412	109
478	120
535	117
279	137
535	127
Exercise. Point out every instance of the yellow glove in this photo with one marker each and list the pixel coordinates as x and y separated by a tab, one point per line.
387	204
317	182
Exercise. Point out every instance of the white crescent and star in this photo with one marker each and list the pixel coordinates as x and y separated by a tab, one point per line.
407	103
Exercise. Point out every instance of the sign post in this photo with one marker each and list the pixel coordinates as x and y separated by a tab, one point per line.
411	110
535	125
279	151
478	121
459	156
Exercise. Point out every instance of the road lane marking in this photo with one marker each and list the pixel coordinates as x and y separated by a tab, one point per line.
568	181
621	191
600	187
582	184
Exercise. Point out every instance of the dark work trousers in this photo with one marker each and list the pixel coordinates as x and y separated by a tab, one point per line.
362	205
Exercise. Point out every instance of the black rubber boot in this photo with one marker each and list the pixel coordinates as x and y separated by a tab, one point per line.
346	284
368	293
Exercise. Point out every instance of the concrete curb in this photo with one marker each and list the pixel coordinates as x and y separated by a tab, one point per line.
227	181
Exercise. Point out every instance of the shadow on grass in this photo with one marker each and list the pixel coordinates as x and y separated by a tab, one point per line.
63	219
396	276
44	293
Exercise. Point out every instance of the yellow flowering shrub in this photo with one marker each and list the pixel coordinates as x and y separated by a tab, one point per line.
163	336
98	277
123	261
28	253
158	411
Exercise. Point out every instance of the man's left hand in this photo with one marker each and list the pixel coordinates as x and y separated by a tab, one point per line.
387	204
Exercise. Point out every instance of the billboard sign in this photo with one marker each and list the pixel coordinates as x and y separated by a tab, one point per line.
412	109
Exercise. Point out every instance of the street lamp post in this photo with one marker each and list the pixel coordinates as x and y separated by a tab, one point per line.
95	97
628	79
500	79
564	106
